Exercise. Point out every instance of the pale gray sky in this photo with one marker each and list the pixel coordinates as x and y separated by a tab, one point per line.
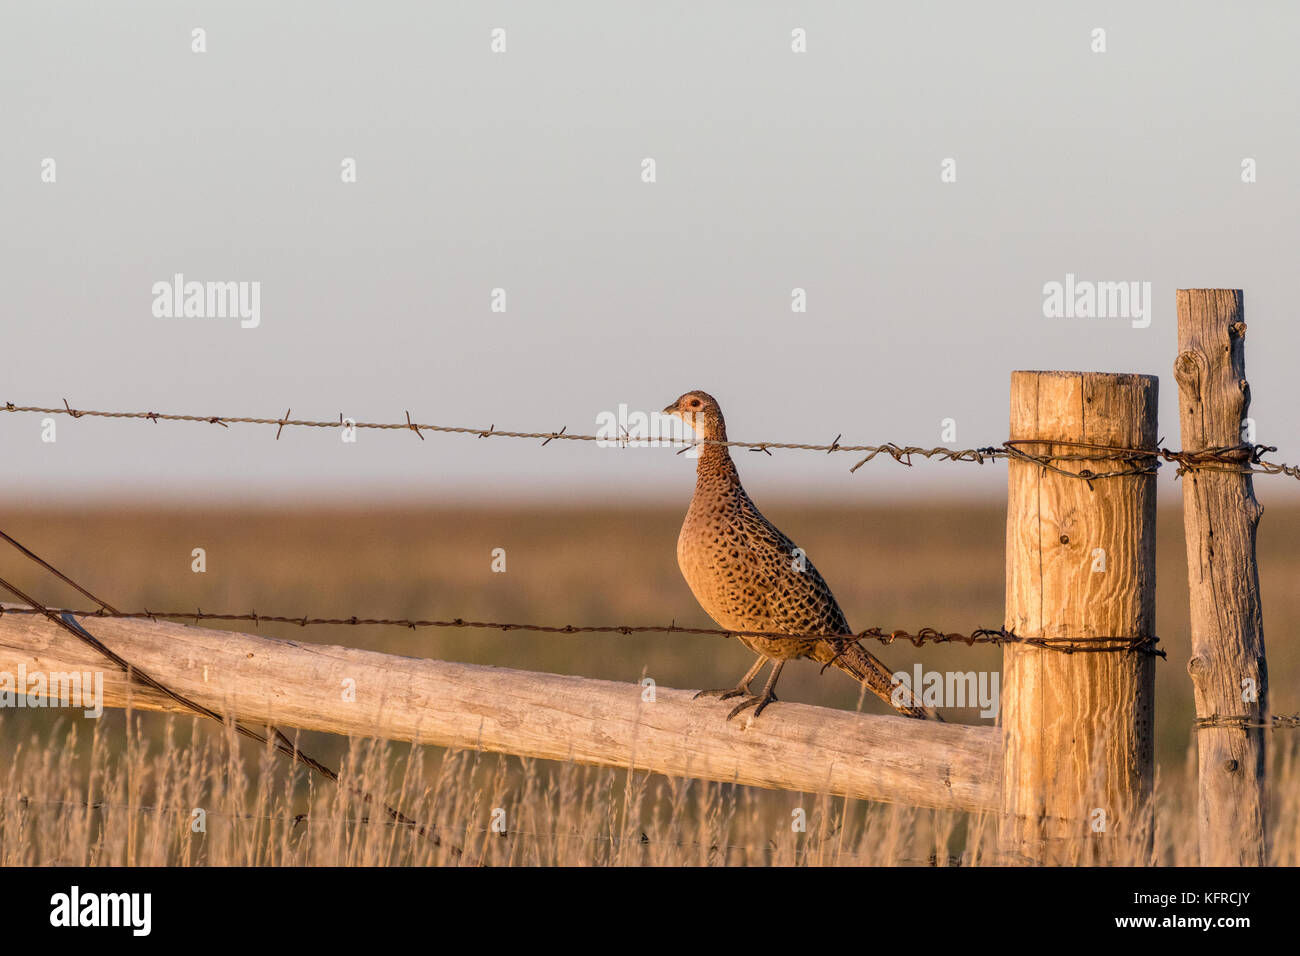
522	170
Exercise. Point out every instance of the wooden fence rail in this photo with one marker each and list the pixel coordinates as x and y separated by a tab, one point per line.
268	681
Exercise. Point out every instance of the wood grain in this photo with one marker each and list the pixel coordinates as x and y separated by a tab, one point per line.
1220	516
605	723
1078	728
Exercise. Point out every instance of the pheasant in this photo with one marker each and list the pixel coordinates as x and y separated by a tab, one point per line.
748	576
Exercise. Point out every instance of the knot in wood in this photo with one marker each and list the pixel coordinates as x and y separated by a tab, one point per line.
1187	372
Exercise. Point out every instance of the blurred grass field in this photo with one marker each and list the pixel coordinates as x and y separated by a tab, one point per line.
900	566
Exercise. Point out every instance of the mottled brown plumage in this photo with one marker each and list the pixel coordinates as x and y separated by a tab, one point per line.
749	576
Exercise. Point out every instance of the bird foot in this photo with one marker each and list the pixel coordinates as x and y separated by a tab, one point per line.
725	693
755	701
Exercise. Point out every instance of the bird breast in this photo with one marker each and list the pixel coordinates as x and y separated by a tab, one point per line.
742	571
721	569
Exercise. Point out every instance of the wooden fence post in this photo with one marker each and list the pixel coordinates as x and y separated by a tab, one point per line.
1220	516
1077	728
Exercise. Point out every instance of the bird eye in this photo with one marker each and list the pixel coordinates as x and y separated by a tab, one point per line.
695	403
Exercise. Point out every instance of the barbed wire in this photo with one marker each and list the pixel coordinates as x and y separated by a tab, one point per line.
925	635
1242	458
277	740
1247	721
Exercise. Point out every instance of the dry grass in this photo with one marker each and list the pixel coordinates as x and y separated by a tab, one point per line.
77	793
60	806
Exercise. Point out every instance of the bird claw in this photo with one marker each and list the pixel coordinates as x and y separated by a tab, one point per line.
755	701
725	693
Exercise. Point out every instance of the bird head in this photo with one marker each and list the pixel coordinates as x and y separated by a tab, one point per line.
700	411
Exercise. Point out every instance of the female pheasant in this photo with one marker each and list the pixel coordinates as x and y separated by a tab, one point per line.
749	576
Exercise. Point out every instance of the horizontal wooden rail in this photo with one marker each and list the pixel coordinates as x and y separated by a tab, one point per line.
267	681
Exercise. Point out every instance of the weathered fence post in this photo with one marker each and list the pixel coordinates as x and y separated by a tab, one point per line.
1220	516
1077	727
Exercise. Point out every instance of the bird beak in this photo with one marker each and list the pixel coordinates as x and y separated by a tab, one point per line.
670	409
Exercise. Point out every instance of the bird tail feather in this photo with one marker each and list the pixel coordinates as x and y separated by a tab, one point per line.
872	672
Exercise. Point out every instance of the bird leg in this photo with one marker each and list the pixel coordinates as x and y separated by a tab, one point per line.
763	699
741	689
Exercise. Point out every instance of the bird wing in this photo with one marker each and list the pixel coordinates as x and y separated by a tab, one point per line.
805	601
801	600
